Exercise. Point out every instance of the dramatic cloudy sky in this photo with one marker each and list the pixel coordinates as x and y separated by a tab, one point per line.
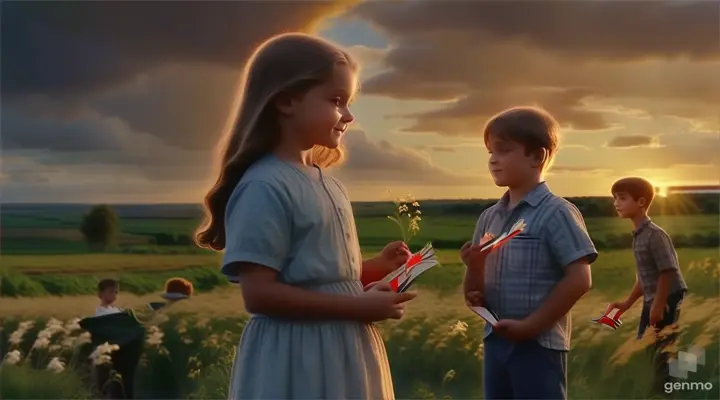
124	101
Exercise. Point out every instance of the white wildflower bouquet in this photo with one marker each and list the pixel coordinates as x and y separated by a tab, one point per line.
407	216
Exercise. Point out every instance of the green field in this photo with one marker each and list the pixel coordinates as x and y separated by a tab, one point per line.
440	227
435	351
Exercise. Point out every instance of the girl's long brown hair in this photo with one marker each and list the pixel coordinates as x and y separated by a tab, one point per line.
289	63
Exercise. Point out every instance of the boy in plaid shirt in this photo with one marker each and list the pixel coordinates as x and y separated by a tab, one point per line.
659	280
534	280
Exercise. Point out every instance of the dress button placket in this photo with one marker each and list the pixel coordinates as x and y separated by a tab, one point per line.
339	214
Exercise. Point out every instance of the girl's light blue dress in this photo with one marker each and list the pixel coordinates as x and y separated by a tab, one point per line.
301	225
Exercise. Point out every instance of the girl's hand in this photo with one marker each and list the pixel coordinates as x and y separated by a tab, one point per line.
394	255
380	302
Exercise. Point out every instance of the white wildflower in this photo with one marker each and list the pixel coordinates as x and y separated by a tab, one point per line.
101	354
45	334
52	327
69	342
101	359
41	343
16	337
55	365
450	375
53	323
155	336
458	328
12	357
26	325
407	216
83	338
73	325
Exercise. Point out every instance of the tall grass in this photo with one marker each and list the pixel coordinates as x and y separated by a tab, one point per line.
435	352
430	356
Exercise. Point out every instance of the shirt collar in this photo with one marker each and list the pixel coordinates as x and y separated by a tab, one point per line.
533	198
642	226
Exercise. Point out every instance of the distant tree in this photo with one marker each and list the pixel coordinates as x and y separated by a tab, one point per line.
100	227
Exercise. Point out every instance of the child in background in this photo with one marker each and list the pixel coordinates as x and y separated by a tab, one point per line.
658	278
534	280
107	293
123	361
289	234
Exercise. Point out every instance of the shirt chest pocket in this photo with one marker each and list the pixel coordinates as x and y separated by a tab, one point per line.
527	256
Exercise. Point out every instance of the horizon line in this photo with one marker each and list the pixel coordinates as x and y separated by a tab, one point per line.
40	203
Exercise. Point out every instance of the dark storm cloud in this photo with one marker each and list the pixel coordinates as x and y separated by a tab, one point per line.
89	138
631	29
483	56
468	115
560	169
382	162
631	141
142	86
74	47
438	149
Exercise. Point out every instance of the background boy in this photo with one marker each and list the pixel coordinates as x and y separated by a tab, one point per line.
107	293
658	279
534	280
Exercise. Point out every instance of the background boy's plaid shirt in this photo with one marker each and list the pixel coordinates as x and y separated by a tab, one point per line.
654	253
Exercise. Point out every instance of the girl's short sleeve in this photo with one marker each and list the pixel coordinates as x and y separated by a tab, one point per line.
257	227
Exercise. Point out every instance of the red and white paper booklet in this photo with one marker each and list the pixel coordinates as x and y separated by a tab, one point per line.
497	242
486	313
400	279
609	319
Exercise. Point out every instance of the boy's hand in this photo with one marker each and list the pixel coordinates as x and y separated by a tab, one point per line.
516	330
471	255
474	298
622	306
657	312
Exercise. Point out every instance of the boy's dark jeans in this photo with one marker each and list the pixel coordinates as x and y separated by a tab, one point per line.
660	348
523	370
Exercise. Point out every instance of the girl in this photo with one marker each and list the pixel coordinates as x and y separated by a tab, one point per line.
289	234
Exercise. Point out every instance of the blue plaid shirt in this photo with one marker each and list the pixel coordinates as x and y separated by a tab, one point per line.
521	274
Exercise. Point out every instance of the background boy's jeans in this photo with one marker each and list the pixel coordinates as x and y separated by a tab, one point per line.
659	349
523	370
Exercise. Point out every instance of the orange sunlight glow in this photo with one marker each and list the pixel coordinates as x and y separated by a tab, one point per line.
661	188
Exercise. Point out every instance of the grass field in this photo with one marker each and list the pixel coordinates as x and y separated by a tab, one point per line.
78	273
435	351
34	234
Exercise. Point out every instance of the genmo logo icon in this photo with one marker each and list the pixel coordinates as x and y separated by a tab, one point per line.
687	361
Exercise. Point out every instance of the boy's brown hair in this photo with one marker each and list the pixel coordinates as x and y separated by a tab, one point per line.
107	284
533	127
179	285
636	187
